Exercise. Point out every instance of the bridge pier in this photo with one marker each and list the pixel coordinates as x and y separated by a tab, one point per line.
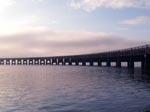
18	62
48	61
25	62
91	63
83	63
77	62
30	61
143	66
131	63
60	61
13	62
1	62
108	64
118	63
54	61
99	63
42	62
7	62
68	61
146	64
36	62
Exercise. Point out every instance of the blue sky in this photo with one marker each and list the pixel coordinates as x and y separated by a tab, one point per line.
64	27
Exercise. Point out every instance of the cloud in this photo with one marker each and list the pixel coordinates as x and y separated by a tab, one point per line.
17	24
5	4
137	20
46	42
54	22
90	5
37	0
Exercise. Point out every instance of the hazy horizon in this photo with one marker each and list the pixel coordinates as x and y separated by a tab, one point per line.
70	27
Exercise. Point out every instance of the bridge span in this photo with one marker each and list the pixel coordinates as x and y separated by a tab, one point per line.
130	56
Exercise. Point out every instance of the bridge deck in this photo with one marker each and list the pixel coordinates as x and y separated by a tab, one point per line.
129	55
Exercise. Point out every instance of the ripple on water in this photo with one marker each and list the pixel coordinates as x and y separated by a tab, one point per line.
72	89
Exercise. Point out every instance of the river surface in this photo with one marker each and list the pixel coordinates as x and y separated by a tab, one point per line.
72	89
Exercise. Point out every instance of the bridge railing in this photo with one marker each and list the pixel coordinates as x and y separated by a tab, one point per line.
127	51
122	52
137	48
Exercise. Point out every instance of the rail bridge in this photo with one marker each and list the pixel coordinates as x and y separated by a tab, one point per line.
129	55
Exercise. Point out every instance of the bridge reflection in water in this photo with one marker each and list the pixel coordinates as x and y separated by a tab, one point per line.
130	56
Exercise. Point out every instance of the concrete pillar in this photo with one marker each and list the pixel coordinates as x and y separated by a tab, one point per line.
57	61
118	63
48	62
54	61
63	61
99	63
143	67
108	63
83	63
36	62
30	62
76	62
25	62
42	62
13	62
60	61
146	64
91	63
67	60
70	63
18	62
1	62
7	62
131	63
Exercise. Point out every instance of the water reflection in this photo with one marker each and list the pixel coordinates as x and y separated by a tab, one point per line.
72	89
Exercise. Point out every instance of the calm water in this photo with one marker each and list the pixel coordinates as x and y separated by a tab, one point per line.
72	89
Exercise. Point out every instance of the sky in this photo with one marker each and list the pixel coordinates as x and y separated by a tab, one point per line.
69	27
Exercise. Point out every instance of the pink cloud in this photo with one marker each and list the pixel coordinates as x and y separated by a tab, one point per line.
90	5
52	43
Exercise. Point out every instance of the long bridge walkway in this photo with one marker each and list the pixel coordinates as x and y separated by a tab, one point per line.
130	55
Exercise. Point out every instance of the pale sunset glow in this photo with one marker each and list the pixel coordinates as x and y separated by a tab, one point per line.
67	27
